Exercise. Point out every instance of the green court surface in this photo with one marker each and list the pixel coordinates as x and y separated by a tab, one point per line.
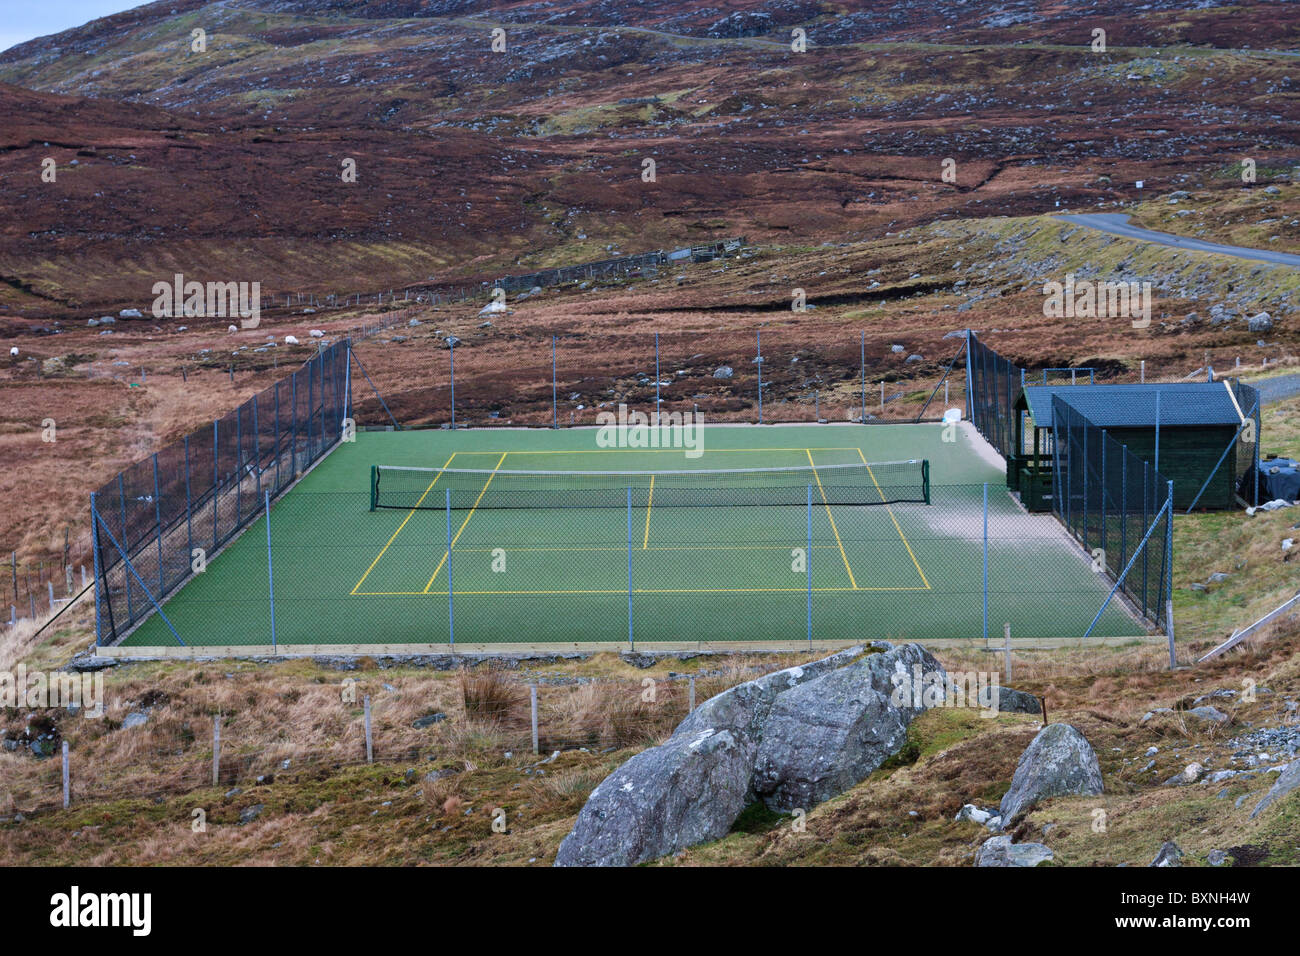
346	575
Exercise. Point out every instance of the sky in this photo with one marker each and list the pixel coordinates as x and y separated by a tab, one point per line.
22	20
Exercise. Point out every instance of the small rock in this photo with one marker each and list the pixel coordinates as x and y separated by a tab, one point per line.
1169	855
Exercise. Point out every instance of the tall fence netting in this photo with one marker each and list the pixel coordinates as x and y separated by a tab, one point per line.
199	492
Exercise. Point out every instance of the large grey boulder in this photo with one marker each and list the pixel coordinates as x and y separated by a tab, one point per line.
686	791
689	789
1287	781
745	708
828	734
1000	851
793	738
1058	762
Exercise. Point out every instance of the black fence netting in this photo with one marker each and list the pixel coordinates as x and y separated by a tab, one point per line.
1117	505
995	383
195	494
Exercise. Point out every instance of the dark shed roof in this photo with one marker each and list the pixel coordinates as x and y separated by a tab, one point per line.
1134	406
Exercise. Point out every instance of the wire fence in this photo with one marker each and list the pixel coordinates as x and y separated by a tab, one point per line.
482	571
535	376
163	518
154	746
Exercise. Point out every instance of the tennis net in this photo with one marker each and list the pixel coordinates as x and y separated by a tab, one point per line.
861	483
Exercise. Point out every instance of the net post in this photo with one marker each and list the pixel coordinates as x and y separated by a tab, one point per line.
925	479
270	576
808	565
374	486
451	610
631	642
986	563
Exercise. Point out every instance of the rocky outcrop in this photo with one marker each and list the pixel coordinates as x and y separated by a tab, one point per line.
1058	762
1000	851
1011	701
791	739
1286	782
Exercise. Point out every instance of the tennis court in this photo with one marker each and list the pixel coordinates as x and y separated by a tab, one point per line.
772	534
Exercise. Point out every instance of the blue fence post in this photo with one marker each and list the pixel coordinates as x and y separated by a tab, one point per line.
808	564
189	507
555	407
451	610
630	641
278	481
293	426
157	517
311	388
270	576
126	581
257	450
1146	552
1123	506
862	363
94	554
451	359
1103	496
239	466
986	563
1169	583
216	435
1156	463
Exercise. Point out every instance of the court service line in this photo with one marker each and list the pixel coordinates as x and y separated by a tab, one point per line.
832	519
906	544
645	545
466	521
403	524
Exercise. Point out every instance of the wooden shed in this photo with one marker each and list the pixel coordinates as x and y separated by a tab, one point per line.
1196	422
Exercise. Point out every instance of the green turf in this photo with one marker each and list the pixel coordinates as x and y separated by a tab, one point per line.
346	575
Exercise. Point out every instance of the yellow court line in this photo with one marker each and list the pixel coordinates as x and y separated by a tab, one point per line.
466	521
623	549
895	520
832	518
645	545
403	524
646	591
